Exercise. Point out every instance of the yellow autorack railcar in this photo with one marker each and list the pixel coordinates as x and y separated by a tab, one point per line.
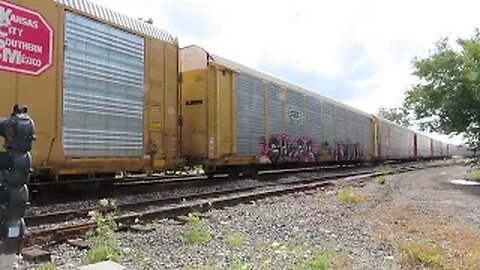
238	119
109	100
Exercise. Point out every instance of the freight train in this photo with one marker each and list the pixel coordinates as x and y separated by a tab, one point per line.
112	94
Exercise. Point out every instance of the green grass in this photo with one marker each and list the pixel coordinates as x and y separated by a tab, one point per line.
239	264
421	254
381	179
100	254
46	266
234	240
349	195
319	262
196	233
102	239
475	175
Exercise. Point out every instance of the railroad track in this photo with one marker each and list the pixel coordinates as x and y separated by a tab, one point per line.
142	184
75	223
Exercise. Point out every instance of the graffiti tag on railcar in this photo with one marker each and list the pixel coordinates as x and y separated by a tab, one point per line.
281	148
26	40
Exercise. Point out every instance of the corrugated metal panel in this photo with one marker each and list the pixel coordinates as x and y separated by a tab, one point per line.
340	125
395	141
328	129
250	116
367	135
283	83
294	113
118	19
103	90
314	117
352	132
275	109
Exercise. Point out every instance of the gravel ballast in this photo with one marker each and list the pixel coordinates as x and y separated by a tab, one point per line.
279	233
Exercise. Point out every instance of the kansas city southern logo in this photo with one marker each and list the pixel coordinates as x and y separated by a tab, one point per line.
26	40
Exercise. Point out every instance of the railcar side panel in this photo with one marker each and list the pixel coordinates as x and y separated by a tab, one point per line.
327	144
395	142
103	90
314	124
102	106
250	119
276	96
295	114
423	146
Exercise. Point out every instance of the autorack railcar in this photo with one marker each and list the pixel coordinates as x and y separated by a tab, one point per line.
394	142
108	100
235	116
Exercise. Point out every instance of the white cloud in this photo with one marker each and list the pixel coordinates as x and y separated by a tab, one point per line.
314	36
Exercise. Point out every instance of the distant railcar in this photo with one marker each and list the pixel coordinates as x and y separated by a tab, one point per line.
109	100
423	146
236	116
394	141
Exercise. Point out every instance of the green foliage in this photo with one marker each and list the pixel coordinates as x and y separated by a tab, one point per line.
46	266
318	262
195	233
475	175
348	195
239	264
142	259
234	240
447	96
381	179
102	240
397	115
421	254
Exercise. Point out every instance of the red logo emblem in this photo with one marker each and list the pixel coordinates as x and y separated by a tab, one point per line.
26	40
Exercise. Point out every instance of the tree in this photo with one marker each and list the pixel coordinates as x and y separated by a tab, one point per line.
446	97
397	115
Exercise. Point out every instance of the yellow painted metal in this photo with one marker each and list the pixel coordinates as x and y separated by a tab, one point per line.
159	163
194	113
43	95
209	113
225	112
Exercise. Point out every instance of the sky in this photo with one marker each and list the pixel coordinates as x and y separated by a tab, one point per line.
355	51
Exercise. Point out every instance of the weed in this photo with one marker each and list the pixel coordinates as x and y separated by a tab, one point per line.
144	260
103	240
203	267
348	195
239	264
195	233
421	254
46	266
319	262
234	240
381	179
475	175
